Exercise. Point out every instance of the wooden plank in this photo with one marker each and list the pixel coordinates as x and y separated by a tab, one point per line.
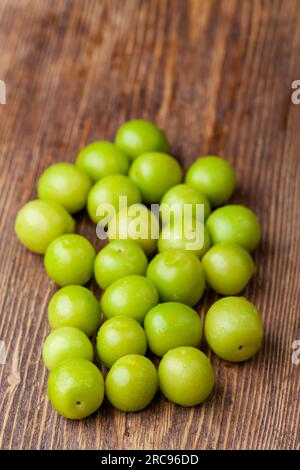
217	76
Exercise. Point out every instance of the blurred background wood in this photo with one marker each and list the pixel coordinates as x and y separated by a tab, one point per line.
217	76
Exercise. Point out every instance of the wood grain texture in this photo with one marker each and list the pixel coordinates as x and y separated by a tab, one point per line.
217	76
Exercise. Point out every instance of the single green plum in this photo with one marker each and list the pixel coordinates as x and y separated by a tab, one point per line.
118	259
178	276
154	173
234	329
228	268
136	223
38	223
65	184
131	383
186	376
100	159
190	235
69	260
185	198
140	136
236	224
171	325
75	306
132	296
118	337
66	343
76	388
105	197
214	177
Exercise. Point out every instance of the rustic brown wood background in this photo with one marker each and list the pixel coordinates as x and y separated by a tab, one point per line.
217	76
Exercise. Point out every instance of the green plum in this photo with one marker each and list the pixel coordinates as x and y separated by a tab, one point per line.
136	223
66	343
236	224
214	177
100	159
131	383
38	223
186	376
228	268
104	198
234	329
178	276
170	325
140	136
191	235
65	184
74	306
154	173
69	259
132	296
118	259
118	337
76	388
182	196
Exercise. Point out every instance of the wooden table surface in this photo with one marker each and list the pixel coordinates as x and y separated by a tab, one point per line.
217	76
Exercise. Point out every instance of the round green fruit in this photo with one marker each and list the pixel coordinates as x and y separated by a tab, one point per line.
100	159
214	177
178	276
228	268
170	325
140	136
76	388
136	223
184	198
74	306
38	223
234	224
69	260
131	383
191	236
154	173
118	259
66	343
132	296
118	337
105	197
65	184
233	329
186	376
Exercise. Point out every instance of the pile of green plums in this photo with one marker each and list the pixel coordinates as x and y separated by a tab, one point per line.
149	284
